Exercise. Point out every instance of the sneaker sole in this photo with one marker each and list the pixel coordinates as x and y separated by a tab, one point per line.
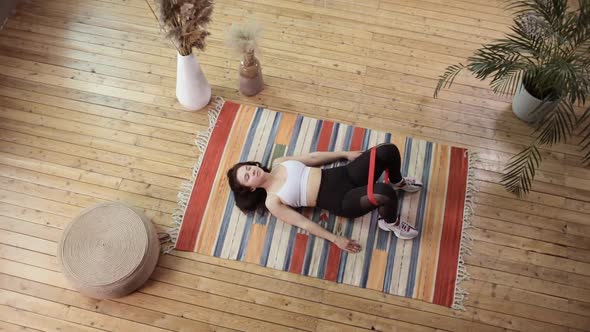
398	236
405	237
412	190
384	228
416	189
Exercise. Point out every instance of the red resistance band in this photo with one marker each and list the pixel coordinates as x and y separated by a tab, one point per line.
372	177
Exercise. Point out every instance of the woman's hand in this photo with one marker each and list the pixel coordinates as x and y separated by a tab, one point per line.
352	155
348	245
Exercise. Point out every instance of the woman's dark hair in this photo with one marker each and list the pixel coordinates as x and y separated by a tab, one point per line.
246	199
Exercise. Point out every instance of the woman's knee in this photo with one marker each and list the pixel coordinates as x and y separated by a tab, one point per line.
384	190
387	151
382	199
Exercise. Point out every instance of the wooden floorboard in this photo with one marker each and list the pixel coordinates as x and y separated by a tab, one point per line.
88	114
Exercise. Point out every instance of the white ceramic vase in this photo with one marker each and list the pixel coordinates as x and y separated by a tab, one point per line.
192	89
527	107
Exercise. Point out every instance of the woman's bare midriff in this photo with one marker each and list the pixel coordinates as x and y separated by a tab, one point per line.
313	185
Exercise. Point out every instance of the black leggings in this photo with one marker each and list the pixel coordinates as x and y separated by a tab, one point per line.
343	190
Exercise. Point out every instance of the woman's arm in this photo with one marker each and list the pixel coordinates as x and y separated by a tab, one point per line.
292	217
320	158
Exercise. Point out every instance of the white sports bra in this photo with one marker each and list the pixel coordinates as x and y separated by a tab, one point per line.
294	191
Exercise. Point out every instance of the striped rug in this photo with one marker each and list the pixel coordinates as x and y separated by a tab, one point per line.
427	268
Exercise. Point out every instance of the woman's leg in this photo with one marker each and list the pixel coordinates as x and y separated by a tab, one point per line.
387	157
356	202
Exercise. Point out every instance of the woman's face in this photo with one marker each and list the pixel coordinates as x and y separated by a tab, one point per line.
250	176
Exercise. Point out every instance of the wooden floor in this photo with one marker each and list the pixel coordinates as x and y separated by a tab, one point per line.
88	113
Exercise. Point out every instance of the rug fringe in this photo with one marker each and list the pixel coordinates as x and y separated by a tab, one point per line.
466	240
187	186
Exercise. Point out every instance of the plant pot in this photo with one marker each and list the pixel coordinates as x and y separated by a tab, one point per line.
192	89
251	82
527	107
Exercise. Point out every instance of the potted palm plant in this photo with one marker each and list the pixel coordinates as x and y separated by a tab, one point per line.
545	63
243	39
185	22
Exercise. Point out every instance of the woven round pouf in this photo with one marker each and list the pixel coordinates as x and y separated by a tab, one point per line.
108	251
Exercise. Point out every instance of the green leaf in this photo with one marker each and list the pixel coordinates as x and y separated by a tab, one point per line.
520	171
556	124
507	83
446	80
584	123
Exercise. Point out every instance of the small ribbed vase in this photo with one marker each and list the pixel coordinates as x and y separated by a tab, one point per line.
251	82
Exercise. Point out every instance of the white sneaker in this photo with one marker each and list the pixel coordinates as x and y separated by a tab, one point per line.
403	230
410	185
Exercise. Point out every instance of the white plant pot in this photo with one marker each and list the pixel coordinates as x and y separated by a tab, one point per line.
527	107
192	89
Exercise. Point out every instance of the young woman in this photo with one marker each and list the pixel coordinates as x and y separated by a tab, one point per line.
297	181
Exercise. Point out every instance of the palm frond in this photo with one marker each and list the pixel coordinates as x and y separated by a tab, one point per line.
519	7
498	59
529	36
557	79
584	123
519	173
507	82
507	77
556	124
446	80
